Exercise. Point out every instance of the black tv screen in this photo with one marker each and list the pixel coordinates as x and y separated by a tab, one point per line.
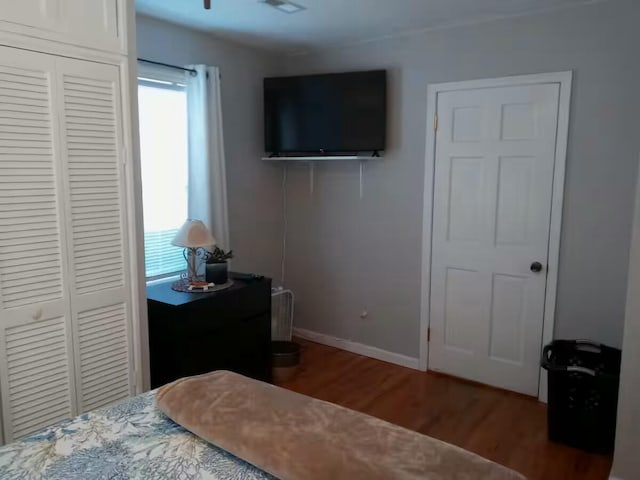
335	113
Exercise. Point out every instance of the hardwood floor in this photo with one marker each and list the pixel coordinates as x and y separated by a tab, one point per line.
505	427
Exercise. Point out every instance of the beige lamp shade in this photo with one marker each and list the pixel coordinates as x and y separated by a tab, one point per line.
194	234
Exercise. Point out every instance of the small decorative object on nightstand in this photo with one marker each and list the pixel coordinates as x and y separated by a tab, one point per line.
217	268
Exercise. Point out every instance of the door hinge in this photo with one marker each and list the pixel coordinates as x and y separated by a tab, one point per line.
435	122
429	334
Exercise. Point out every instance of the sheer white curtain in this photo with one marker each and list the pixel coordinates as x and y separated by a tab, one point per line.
207	173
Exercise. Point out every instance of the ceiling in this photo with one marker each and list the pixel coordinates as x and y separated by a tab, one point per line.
327	23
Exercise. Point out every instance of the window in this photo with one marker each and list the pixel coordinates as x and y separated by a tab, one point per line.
165	169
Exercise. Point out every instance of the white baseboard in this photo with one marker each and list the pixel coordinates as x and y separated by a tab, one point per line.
359	348
614	478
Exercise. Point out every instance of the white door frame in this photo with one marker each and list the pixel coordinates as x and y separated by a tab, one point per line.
564	79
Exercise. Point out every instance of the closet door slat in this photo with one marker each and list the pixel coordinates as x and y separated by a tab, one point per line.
39	389
93	158
92	132
37	369
20	182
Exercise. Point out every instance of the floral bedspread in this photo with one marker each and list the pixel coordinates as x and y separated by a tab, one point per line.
131	440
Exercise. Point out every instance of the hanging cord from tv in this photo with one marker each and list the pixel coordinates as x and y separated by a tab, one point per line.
284	225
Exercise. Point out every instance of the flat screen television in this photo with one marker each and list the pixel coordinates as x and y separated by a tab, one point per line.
326	114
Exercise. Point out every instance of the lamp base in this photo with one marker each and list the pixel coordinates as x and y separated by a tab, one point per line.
186	286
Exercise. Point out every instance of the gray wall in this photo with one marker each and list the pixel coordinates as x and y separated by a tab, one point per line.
345	254
626	464
254	188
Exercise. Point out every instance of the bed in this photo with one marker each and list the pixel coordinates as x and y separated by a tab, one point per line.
292	436
131	440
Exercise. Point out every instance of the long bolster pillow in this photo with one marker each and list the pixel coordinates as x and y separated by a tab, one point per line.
295	437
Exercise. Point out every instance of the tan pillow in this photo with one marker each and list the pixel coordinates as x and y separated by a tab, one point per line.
295	437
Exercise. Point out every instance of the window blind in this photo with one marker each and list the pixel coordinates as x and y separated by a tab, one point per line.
162	258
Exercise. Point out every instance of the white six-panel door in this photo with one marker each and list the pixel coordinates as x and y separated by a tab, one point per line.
65	310
493	183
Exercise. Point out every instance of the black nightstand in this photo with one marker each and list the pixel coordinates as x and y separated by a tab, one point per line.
195	333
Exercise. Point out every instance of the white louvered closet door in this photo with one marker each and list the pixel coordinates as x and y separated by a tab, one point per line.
37	381
89	106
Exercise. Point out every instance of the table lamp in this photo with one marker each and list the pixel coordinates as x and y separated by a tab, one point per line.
193	236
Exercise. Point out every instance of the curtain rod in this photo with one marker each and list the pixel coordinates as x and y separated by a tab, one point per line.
193	72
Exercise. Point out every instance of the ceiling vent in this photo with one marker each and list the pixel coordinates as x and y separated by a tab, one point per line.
285	6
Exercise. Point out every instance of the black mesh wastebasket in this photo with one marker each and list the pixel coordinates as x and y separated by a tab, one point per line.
583	393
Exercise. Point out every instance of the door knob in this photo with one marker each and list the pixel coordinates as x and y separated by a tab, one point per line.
536	267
